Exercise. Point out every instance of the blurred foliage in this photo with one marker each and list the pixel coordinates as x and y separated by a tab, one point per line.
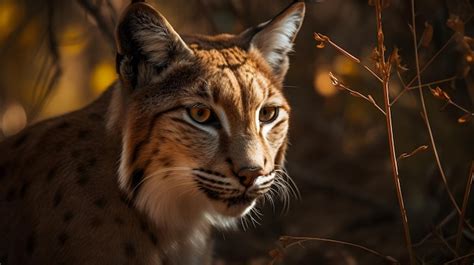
56	58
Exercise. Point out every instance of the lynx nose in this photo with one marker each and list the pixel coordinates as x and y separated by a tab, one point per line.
248	175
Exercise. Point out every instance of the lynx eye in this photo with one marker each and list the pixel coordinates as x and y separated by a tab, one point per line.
268	114
200	114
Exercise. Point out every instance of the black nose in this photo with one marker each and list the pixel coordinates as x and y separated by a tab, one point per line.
248	175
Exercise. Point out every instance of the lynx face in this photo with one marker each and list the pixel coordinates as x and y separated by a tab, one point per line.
205	121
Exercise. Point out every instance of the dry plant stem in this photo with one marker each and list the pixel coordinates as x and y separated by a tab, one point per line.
412	153
459	259
470	178
409	88
445	242
425	112
448	218
460	108
437	53
49	74
385	71
106	28
434	83
342	86
325	38
299	240
406	87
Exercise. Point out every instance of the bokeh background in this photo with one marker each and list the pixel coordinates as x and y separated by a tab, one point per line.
58	55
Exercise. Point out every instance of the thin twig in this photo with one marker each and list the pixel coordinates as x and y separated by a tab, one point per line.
299	240
425	112
440	94
48	76
409	88
460	258
430	61
412	153
434	82
335	81
446	220
385	71
106	28
461	108
448	246
470	178
323	39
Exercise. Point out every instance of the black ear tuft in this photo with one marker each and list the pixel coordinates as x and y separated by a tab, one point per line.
146	42
274	39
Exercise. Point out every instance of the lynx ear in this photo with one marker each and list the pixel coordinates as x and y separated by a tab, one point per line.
274	39
146	43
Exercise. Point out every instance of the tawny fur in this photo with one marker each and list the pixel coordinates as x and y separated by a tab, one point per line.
115	182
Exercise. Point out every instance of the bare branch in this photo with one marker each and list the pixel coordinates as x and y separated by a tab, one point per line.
107	28
354	93
425	112
430	61
385	69
290	241
325	39
446	220
50	73
443	240
460	258
412	153
470	178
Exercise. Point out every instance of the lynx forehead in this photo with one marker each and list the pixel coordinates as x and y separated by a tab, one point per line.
192	136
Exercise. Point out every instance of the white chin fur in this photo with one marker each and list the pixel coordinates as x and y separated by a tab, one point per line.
225	217
235	211
182	207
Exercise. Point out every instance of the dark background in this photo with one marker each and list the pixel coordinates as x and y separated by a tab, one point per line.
56	57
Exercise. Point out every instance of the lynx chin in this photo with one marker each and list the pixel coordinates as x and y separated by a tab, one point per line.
191	136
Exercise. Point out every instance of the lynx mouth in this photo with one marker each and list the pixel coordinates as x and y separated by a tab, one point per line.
220	188
240	200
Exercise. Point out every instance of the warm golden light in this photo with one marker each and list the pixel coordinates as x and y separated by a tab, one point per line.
344	66
102	76
469	58
13	119
31	34
323	84
73	40
9	16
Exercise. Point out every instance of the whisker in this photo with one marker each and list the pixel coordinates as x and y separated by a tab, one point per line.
292	185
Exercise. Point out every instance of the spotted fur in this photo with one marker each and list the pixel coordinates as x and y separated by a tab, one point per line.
132	178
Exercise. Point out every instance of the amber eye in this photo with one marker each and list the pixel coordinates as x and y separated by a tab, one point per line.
200	114
268	114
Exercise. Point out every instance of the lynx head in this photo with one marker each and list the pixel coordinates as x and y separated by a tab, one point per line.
205	121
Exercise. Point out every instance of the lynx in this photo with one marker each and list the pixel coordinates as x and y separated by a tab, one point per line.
191	136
